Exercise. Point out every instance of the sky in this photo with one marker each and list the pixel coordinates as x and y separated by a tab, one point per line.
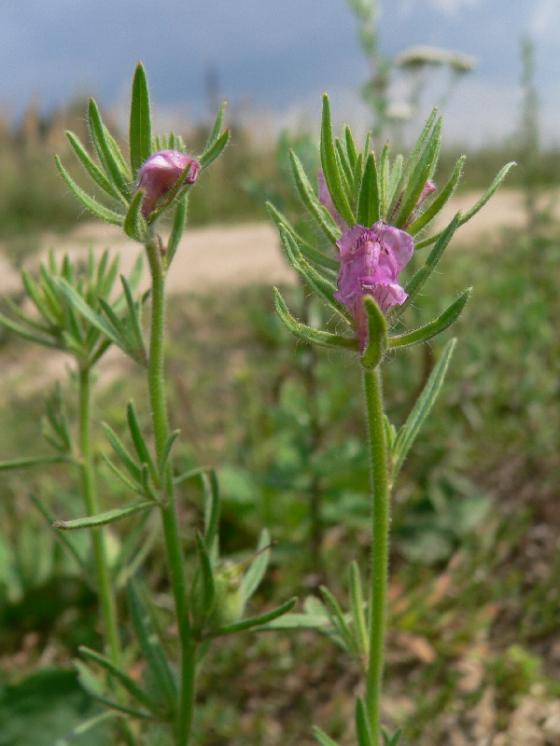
274	56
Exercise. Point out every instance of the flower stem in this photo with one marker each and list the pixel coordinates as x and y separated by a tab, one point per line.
89	488
380	489
175	559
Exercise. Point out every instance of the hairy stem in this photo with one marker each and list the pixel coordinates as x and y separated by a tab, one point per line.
380	489
174	553
89	489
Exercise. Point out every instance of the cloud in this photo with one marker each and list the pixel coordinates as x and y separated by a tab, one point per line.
545	20
451	7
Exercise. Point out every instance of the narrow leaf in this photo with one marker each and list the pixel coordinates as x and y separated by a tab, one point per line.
363	730
257	569
177	228
438	325
206	574
102	519
123	678
92	168
312	255
358	610
307	333
331	167
255	621
26	463
377	333
368	201
151	646
337	617
91	204
215	150
217	126
134	224
105	149
311	201
494	186
422	275
322	737
440	200
409	431
140	128
142	449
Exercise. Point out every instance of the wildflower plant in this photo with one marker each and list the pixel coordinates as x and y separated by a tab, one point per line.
375	211
85	314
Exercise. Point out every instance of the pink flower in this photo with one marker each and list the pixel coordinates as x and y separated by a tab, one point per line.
370	262
161	172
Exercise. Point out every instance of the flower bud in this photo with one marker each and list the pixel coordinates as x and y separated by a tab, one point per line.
160	173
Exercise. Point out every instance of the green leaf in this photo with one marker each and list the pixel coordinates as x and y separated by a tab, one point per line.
217	127
331	168
257	569
312	255
123	678
368	201
440	200
142	449
492	189
391	740
465	217
363	730
307	333
420	144
255	621
322	286
377	333
166	453
21	331
151	646
179	222
211	511
322	737
422	408
215	150
311	201
438	325
206	575
190	474
102	519
383	181
26	463
134	224
95	688
424	170
91	204
140	129
133	321
92	168
124	456
421	276
358	610
350	146
105	148
337	618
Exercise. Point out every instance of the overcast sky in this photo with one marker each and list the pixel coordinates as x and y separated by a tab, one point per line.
277	54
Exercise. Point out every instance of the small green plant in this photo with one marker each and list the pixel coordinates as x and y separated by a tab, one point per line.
376	211
81	311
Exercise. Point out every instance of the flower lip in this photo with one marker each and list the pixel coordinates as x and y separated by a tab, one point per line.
160	173
370	262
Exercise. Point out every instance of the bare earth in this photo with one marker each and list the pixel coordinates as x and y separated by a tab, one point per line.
247	253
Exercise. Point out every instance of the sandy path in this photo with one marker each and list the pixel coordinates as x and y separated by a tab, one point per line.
246	253
209	257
